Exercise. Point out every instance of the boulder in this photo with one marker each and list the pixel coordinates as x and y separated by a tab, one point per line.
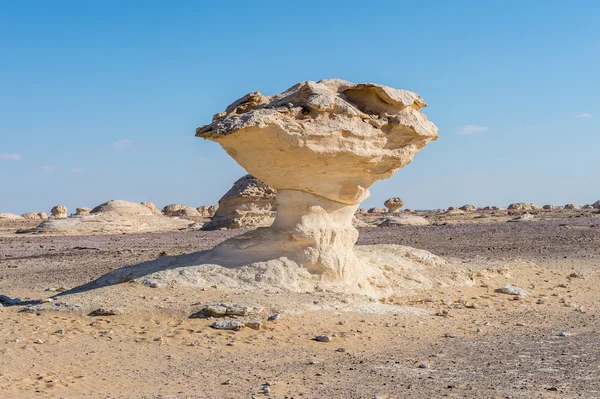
572	206
34	215
394	204
404	220
534	207
59	211
468	208
548	207
587	206
170	210
207	211
83	211
188	211
519	206
376	210
596	204
321	145
249	204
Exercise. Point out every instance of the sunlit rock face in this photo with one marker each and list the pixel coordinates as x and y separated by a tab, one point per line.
321	145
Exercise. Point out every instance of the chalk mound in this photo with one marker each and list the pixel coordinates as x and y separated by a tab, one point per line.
386	269
113	217
249	204
10	216
404	220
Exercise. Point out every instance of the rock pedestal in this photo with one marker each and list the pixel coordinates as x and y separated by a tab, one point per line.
321	145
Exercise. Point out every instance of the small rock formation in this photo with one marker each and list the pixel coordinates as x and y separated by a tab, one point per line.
170	210
10	216
249	204
548	207
34	215
82	211
59	211
587	206
535	207
188	211
596	204
519	206
394	204
572	206
468	208
404	220
376	210
152	207
526	217
207	211
113	217
321	145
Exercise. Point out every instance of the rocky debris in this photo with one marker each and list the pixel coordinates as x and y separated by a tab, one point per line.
572	207
468	208
324	338
548	207
519	206
564	334
34	215
254	325
526	217
376	210
223	310
113	217
59	211
83	211
233	325
510	289
404	220
274	317
249	204
152	207
394	204
170	210
106	312
10	216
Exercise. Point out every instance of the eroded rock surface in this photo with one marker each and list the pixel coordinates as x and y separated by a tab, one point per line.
394	204
250	203
59	211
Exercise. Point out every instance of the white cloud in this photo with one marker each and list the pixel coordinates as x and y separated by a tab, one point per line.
77	170
10	157
47	168
470	129
123	145
584	115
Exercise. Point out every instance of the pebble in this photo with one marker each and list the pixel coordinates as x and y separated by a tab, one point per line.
59	332
324	338
512	290
449	335
423	366
255	325
564	334
46	300
105	312
341	350
519	324
39	341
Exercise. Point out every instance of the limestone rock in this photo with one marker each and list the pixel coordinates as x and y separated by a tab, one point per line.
82	211
404	220
188	211
596	204
468	208
321	145
207	211
526	217
548	207
10	216
587	206
535	207
113	217
59	211
519	206
169	210
394	204
249	204
376	210
34	215
572	206
152	207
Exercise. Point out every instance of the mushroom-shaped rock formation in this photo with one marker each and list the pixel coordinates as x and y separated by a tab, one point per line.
59	211
394	204
321	145
249	204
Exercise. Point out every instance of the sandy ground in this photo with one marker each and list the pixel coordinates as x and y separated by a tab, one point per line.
461	342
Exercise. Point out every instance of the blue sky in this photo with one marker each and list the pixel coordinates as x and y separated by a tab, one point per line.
100	100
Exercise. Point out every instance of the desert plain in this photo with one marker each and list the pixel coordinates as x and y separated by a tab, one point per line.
65	338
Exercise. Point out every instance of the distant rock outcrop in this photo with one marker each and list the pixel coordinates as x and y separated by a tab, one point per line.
596	204
394	204
10	216
376	210
34	215
572	207
170	210
84	210
152	207
548	207
250	203
404	220
519	206
468	208
59	211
